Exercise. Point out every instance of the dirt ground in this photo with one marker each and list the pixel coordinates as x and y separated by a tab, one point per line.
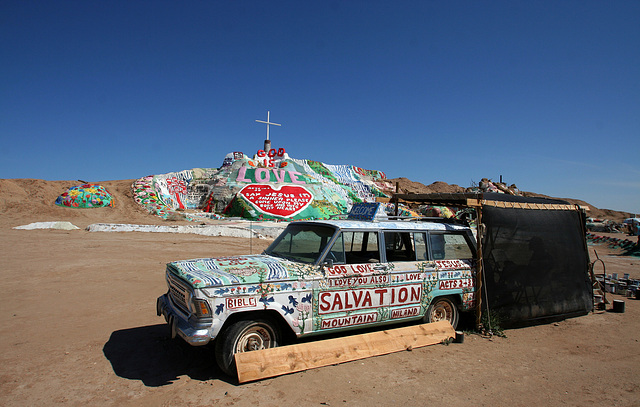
78	327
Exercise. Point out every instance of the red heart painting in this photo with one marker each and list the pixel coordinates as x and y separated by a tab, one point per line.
285	201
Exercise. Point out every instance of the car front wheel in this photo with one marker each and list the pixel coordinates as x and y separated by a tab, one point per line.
244	336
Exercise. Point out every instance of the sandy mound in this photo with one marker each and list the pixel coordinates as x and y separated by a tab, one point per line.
407	186
24	201
411	187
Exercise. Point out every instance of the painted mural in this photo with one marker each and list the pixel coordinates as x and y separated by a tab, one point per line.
85	196
268	186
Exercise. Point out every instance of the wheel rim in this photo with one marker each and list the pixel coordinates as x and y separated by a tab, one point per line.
255	337
442	311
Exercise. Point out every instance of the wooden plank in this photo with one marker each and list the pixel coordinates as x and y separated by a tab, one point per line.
272	362
473	202
382	199
528	205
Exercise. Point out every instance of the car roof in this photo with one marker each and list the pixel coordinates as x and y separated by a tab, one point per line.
387	225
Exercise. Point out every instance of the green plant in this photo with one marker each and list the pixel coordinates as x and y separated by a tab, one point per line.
490	324
446	341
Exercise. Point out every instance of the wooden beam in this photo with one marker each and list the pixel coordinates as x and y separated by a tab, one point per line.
527	205
272	362
474	203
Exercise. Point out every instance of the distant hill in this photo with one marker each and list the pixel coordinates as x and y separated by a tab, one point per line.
24	201
408	186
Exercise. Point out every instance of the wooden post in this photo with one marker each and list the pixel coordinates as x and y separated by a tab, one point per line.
479	266
395	212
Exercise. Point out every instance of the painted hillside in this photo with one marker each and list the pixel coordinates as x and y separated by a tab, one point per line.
273	186
269	186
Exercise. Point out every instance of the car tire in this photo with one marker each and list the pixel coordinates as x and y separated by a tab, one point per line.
244	336
443	309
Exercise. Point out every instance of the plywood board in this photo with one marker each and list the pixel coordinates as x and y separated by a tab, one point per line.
265	363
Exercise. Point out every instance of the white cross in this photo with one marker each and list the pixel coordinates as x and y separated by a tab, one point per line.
268	123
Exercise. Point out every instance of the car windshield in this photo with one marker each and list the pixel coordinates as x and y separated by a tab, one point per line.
300	242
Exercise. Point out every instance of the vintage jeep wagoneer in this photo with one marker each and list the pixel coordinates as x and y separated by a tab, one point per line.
319	277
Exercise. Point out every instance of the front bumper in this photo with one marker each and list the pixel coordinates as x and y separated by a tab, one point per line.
194	332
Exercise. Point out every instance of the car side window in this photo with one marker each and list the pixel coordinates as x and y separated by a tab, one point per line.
399	246
421	247
337	251
356	248
449	246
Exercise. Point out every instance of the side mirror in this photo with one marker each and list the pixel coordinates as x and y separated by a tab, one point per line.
327	263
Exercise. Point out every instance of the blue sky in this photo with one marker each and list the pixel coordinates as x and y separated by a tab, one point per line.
544	93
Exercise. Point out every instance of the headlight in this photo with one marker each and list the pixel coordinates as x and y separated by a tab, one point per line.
201	308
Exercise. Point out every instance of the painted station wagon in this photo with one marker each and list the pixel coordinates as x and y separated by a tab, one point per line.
319	277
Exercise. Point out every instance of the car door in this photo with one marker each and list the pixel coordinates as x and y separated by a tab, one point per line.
453	254
406	253
354	288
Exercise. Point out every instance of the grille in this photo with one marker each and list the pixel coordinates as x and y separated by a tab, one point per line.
179	292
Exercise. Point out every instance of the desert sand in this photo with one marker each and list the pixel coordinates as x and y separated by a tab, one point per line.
78	327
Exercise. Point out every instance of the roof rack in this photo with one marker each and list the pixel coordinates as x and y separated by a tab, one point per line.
426	219
409	219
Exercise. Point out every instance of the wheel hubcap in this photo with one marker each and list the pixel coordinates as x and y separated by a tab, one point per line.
255	338
442	312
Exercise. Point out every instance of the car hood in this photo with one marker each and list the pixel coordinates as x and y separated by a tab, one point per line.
251	269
